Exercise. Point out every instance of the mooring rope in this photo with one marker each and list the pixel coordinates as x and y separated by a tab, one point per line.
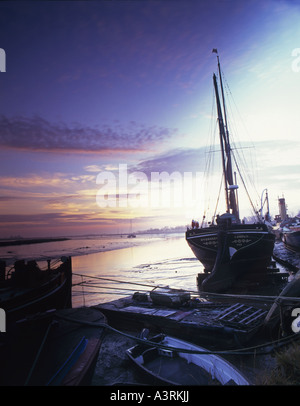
244	351
256	298
116	280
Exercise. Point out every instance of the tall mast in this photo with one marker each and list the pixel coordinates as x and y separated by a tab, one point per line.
231	201
223	100
222	142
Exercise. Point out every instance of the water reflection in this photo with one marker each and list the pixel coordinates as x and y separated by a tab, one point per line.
165	262
72	247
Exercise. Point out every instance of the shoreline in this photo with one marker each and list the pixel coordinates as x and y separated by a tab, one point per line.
105	244
24	241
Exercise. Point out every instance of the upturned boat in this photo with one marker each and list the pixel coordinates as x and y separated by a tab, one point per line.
229	248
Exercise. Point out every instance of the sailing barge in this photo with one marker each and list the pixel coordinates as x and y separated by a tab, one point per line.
228	248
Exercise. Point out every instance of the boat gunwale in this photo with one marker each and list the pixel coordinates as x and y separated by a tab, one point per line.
208	362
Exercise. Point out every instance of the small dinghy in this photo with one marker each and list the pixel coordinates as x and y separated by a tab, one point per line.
165	364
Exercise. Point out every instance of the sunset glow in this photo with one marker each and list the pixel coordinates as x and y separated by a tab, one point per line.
91	86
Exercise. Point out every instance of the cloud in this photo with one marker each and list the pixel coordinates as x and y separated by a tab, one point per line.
29	218
99	168
38	134
50	219
179	160
47	192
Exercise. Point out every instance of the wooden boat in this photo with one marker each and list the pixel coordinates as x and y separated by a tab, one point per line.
27	289
226	325
228	248
290	233
54	348
166	364
285	303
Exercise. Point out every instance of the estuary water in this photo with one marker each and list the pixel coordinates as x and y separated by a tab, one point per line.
108	267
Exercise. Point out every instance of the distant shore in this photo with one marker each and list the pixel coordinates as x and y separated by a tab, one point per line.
8	243
37	249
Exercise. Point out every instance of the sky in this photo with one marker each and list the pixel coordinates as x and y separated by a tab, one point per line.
101	99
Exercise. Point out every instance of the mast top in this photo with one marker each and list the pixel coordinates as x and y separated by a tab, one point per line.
230	187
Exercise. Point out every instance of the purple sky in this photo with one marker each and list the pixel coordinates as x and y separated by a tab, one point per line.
95	84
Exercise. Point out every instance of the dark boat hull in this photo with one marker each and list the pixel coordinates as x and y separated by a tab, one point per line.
53	349
51	290
241	249
292	240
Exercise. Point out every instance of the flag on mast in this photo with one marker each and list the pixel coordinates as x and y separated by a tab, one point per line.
215	50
